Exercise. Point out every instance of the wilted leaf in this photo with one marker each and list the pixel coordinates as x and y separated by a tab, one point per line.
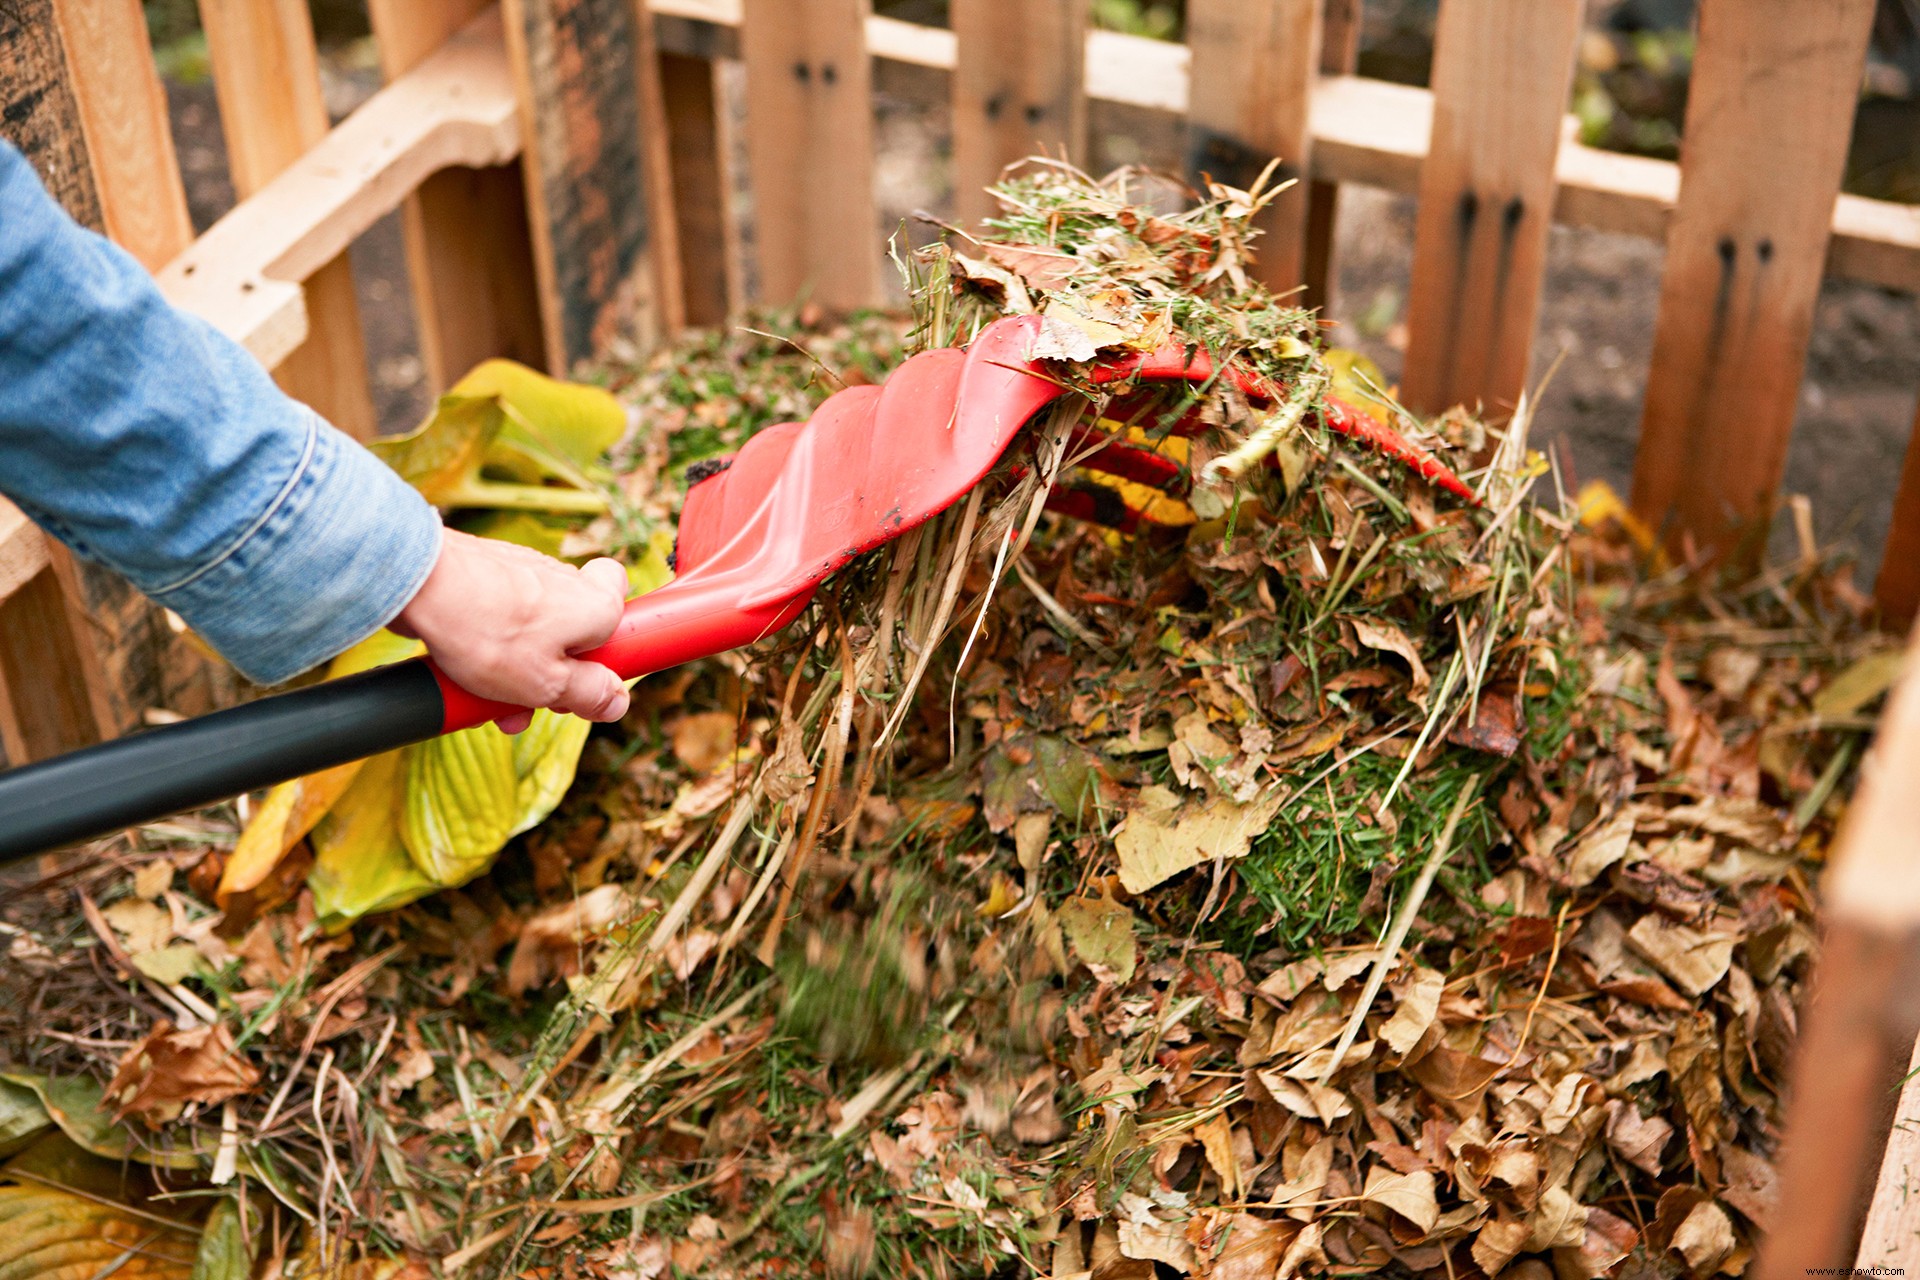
22	1117
1163	837
1638	1139
1419	1002
76	1105
1101	932
553	942
48	1234
223	1253
1693	959
1411	1195
1705	1238
1866	679
360	865
1498	1243
1600	849
1558	1221
704	740
1388	638
171	1068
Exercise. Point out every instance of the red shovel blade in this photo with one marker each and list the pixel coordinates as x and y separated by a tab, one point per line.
800	501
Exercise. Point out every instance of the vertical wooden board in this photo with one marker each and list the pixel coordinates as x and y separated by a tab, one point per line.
123	109
1253	68
810	150
1502	70
469	247
1898	586
585	164
38	111
45	705
1892	1232
1769	113
697	160
266	74
1339	54
656	155
1019	88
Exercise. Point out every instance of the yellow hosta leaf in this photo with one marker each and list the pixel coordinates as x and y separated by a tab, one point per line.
1358	381
551	426
1598	503
55	1235
291	809
544	759
360	866
460	801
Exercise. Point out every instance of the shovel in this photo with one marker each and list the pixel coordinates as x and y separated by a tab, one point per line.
798	502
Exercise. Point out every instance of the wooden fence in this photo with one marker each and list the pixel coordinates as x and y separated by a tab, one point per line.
562	166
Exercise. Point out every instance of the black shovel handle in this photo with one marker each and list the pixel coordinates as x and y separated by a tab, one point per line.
196	762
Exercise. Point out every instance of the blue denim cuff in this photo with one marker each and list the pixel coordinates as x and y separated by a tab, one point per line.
333	557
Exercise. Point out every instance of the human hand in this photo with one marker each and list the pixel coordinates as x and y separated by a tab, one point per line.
503	621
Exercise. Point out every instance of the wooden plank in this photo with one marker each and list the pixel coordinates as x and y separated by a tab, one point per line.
42	115
266	74
1892	1231
123	109
1898	586
1858	1032
1365	131
1769	113
456	110
45	704
697	149
23	549
1252	79
469	247
1339	53
656	154
1486	199
810	151
1018	89
576	66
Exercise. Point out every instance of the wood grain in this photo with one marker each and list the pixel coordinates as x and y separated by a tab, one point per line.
266	75
469	248
1254	63
1768	118
123	110
1486	199
1898	586
1339	53
697	149
810	151
576	69
42	115
1018	90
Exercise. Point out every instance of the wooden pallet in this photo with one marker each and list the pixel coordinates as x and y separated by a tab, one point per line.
563	168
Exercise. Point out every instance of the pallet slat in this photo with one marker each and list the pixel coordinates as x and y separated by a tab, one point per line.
1339	53
1769	113
697	150
810	150
457	110
1253	67
469	250
266	74
577	68
1898	586
1365	131
1486	199
1018	90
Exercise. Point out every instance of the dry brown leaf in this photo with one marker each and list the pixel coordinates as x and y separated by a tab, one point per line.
171	1068
1498	1243
703	740
1638	1139
553	943
1216	1140
1694	960
1705	1238
1101	933
1418	1003
1388	638
1558	1221
1600	849
1162	837
1411	1195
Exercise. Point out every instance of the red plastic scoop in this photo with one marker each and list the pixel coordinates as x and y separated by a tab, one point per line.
796	505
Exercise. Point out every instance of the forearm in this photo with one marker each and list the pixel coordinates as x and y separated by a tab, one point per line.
147	441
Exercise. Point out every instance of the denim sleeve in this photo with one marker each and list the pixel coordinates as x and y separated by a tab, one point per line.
147	441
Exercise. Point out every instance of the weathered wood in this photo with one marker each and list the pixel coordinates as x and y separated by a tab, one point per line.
1364	131
1486	199
46	706
1252	82
1018	90
1768	116
266	74
697	148
575	65
656	155
469	248
1891	1235
1898	586
42	116
810	150
1339	53
456	110
1858	1034
123	110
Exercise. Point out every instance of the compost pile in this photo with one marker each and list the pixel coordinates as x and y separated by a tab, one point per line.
1329	874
